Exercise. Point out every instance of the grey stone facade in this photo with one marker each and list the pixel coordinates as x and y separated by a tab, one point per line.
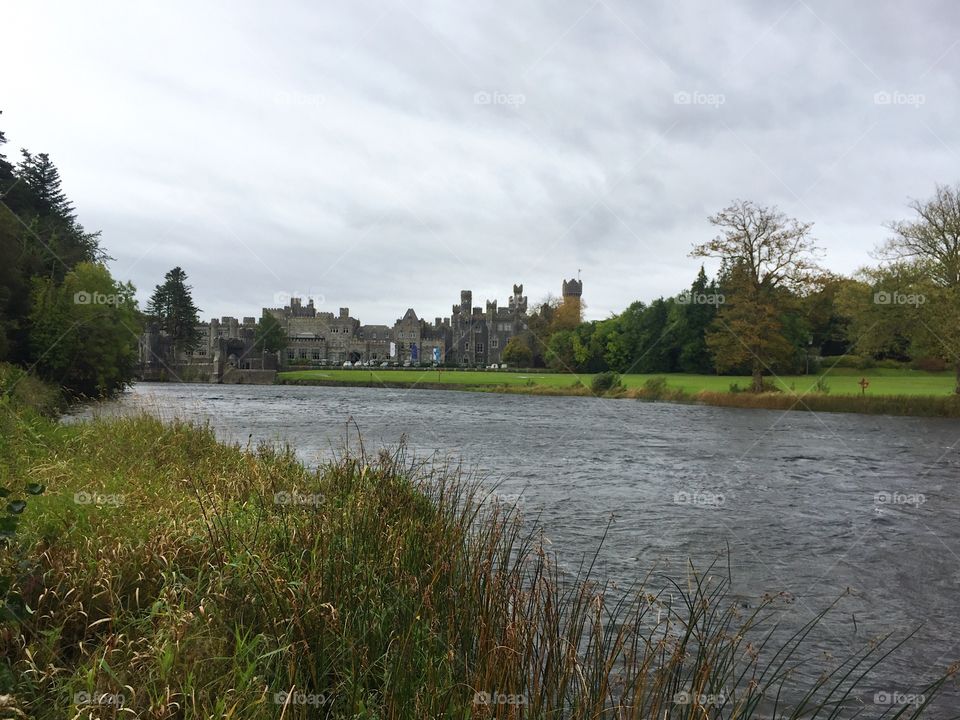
471	336
225	353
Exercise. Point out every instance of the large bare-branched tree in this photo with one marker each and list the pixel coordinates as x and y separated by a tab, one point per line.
929	245
770	258
932	238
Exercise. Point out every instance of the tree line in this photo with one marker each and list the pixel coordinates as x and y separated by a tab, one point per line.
772	307
62	314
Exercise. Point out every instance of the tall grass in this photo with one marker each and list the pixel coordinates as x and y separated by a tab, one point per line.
918	405
169	576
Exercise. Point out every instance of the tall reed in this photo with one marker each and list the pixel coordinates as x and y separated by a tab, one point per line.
165	575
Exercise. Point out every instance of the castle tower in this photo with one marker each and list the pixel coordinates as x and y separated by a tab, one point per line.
518	301
572	289
571	311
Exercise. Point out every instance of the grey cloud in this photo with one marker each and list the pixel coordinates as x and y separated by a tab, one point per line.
387	155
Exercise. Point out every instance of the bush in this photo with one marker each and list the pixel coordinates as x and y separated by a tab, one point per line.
605	382
929	364
382	584
852	362
771	387
24	390
656	386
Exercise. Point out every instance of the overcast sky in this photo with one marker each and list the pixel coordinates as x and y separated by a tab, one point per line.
385	155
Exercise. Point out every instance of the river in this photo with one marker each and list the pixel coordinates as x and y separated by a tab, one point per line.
808	504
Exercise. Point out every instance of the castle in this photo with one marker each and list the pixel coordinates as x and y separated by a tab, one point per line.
470	337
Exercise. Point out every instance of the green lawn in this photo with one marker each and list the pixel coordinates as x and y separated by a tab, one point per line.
840	381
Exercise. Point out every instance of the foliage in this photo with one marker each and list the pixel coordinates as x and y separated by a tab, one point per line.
516	352
909	307
696	317
270	336
171	306
769	259
20	389
606	382
200	580
39	237
84	331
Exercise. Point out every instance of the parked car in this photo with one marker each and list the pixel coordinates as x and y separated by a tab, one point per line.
348	364
384	364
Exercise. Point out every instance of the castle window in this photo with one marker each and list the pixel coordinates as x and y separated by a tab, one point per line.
290	355
495	343
316	354
466	347
479	347
303	354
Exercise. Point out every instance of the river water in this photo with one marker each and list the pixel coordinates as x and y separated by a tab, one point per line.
808	504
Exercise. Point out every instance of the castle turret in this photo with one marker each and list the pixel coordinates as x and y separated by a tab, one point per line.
572	289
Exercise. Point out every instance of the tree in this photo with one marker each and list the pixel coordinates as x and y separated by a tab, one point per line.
44	208
84	331
567	315
769	258
270	336
875	327
697	312
39	237
516	352
171	305
932	239
539	329
929	246
561	353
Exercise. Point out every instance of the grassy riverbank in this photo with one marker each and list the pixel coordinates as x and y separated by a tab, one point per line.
891	392
841	381
161	574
